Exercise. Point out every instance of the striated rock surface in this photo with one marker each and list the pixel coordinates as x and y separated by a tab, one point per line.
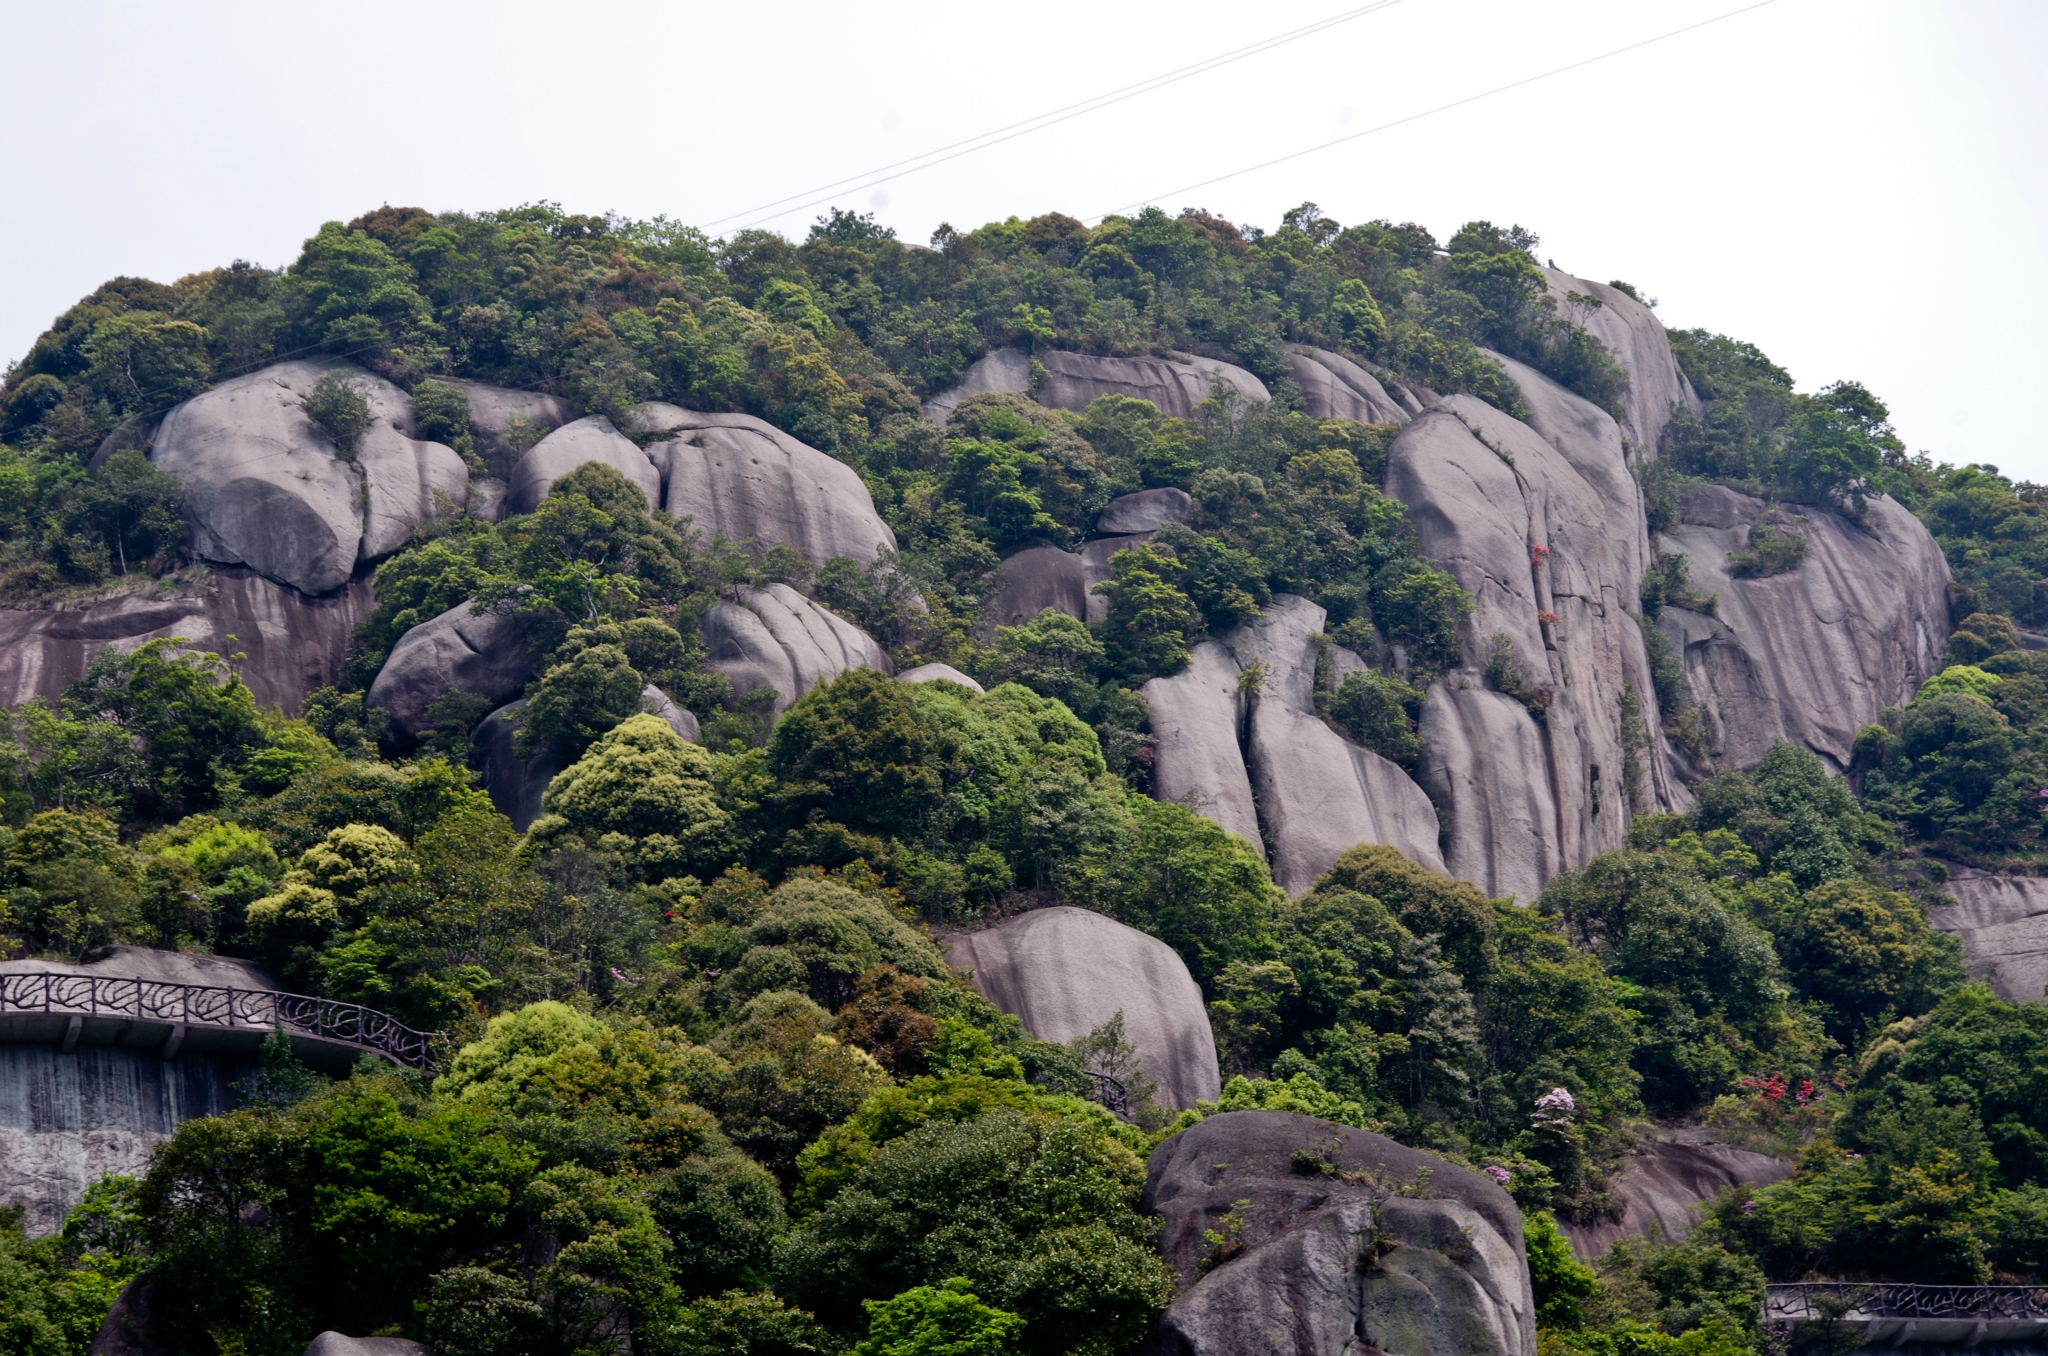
293	643
1176	385
1065	971
1543	524
1812	655
743	477
1636	338
1334	387
1145	511
938	673
500	418
1337	1263
482	653
1197	721
1006	369
2002	922
678	718
777	638
572	445
1662	1188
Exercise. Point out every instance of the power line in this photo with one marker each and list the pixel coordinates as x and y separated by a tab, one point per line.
1440	108
1036	124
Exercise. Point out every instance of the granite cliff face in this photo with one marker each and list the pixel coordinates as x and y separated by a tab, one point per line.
1383	1249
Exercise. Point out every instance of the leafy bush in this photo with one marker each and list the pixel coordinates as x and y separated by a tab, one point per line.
338	407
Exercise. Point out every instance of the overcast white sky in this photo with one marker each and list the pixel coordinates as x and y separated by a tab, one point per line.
1856	187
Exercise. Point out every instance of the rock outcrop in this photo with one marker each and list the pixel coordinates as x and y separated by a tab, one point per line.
1542	523
1176	384
1005	370
1042	577
1812	655
1064	972
291	643
742	477
505	423
1663	1187
338	1344
938	673
1389	1250
589	439
1334	387
2002	922
1636	338
777	638
1264	765
484	653
1145	511
514	784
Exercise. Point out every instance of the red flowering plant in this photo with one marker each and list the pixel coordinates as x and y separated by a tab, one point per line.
1773	1112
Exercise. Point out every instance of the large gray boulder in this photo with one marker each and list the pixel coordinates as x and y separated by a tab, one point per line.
1334	387
514	784
1198	758
1636	338
1005	370
291	643
484	653
743	477
1662	1188
1145	511
938	673
573	445
1391	1250
505	423
2002	922
1064	972
1175	384
337	1344
777	638
1543	525
1038	578
1812	655
263	486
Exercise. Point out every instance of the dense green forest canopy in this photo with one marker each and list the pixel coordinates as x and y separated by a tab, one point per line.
707	1044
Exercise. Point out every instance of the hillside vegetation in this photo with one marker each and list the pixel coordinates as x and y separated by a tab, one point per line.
709	1050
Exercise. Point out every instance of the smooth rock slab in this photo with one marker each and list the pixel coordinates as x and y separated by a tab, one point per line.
482	653
573	445
2002	922
1197	716
1636	338
742	477
1145	511
291	643
496	415
1038	578
336	1344
777	638
1006	370
1662	1188
938	673
1313	1275
1176	385
1064	972
1334	387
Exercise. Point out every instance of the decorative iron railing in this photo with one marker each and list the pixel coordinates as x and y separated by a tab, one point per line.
208	1006
1813	1300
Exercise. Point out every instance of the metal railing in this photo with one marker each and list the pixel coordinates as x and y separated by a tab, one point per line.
1981	1303
212	1007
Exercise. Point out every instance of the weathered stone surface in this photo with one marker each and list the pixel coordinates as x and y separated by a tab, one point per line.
170	967
293	643
743	477
1544	526
1662	1188
1197	718
262	486
679	718
514	784
1036	579
336	1344
498	416
777	638
134	1325
482	653
1176	385
1145	511
1334	387
489	499
1812	655
68	1119
1065	971
2002	922
1636	338
1314	1274
1006	369
572	445
938	673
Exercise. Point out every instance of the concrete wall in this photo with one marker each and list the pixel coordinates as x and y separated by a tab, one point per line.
67	1119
